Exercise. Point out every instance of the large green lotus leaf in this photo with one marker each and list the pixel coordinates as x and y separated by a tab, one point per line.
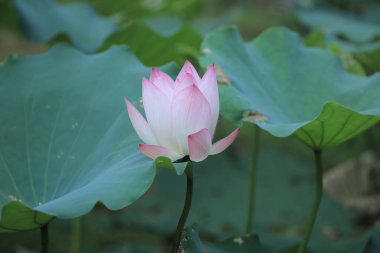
44	19
287	88
66	142
156	49
243	244
340	23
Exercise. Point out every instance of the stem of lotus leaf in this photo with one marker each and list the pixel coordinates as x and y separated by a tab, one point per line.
44	238
252	179
76	235
317	200
186	208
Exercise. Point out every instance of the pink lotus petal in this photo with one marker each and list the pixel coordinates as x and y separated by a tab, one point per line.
154	151
190	113
186	81
209	87
199	145
188	68
162	81
222	144
158	114
139	124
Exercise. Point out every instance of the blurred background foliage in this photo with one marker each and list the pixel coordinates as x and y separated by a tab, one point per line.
162	31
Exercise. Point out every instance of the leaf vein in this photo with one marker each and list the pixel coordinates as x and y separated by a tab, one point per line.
51	140
27	146
8	171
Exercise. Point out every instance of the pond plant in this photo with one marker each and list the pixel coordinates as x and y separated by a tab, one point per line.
181	121
68	141
277	83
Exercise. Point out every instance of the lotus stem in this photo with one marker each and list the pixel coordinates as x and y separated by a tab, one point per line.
186	208
317	200
76	236
252	179
44	238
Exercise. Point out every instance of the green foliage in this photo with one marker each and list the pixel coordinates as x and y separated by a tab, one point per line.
220	190
165	163
350	64
370	58
354	34
163	36
8	15
67	142
133	9
340	23
317	39
353	56
44	19
155	49
287	88
17	216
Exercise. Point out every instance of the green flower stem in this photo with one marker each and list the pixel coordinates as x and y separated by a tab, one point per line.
252	179
44	238
186	208
317	200
76	236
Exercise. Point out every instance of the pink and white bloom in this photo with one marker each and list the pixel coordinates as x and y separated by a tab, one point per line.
181	115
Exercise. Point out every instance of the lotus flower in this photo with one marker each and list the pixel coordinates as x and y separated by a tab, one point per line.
181	115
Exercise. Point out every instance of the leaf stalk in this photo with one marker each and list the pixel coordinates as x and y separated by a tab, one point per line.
317	200
252	179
